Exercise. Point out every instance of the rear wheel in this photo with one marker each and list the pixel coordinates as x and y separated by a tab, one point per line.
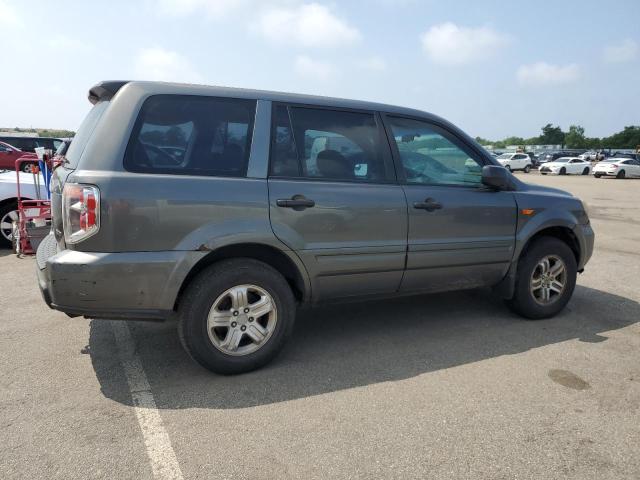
621	174
585	171
597	175
8	215
236	316
508	167
28	167
545	280
527	169
563	171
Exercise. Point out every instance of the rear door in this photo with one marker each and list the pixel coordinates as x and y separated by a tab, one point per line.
461	235
334	200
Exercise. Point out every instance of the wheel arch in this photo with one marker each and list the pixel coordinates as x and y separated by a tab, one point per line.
292	270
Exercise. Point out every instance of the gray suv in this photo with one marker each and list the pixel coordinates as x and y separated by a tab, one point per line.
227	208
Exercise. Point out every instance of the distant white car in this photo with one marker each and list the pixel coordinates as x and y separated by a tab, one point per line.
515	161
566	166
619	167
589	155
9	203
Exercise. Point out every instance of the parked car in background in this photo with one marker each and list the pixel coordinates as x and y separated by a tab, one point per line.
9	201
9	154
566	166
254	216
29	144
589	155
515	161
621	165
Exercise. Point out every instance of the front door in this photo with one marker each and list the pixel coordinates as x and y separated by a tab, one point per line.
334	201
461	234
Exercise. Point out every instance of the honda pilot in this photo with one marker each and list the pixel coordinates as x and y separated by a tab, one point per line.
227	208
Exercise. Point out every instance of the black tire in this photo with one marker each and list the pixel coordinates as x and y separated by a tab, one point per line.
523	302
527	169
200	295
621	174
508	167
563	171
543	173
597	175
4	210
585	171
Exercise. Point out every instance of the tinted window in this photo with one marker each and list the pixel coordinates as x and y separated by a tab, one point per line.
429	156
327	144
192	135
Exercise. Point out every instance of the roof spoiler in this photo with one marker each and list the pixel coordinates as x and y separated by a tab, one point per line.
105	90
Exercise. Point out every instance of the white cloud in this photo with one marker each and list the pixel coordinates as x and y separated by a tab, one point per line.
310	25
160	64
376	64
625	51
8	15
212	8
314	69
542	73
450	44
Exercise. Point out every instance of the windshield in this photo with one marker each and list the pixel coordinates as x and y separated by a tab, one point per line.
623	155
561	160
84	134
505	156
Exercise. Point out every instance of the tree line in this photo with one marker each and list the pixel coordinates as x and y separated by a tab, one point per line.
628	138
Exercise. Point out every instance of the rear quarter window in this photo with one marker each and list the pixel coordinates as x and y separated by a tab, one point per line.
192	135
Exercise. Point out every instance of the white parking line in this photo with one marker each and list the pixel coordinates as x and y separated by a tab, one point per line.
164	463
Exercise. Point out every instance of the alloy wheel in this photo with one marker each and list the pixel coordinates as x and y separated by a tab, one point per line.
548	280
6	224
242	319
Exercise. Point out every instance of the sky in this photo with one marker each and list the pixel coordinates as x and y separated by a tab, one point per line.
494	68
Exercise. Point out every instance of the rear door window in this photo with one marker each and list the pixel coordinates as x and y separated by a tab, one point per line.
329	144
192	135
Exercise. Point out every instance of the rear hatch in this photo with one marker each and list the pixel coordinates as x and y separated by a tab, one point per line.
70	163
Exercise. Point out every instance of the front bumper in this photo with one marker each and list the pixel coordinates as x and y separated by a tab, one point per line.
586	238
127	285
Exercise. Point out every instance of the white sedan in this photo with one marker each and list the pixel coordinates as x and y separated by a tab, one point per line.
566	166
9	203
619	167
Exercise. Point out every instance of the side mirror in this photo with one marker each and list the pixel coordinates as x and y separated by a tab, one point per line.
495	177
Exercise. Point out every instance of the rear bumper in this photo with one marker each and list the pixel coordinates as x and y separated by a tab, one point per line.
128	285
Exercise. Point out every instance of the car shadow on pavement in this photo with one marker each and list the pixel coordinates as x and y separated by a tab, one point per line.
351	345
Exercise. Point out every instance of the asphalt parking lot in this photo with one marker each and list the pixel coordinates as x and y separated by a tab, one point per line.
444	386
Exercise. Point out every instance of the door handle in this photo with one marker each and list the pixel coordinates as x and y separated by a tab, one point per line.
297	202
429	205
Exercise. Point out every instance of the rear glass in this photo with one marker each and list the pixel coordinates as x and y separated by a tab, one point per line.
84	134
192	135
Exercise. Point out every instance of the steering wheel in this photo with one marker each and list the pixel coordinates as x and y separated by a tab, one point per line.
170	159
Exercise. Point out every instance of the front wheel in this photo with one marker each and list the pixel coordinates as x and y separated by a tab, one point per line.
527	169
8	216
236	316
585	171
563	171
545	279
508	167
621	174
28	167
597	175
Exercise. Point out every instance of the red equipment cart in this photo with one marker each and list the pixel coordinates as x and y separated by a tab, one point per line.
34	215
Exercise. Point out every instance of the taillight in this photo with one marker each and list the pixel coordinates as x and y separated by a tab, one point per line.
80	211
